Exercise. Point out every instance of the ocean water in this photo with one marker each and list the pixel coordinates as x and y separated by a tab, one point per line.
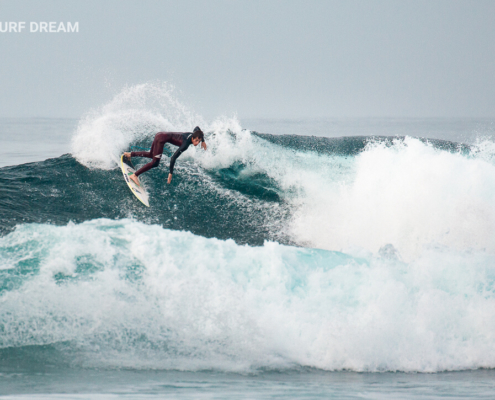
347	259
34	139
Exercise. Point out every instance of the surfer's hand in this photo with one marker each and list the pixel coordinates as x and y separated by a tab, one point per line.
203	145
169	178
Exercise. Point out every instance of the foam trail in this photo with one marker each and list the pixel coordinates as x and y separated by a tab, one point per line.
125	294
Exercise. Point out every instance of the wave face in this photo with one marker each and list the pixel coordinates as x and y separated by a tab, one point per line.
130	295
223	272
216	203
336	194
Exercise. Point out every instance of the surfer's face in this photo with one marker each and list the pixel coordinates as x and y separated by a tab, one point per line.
196	140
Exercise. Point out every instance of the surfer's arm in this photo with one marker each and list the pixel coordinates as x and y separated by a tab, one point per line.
176	155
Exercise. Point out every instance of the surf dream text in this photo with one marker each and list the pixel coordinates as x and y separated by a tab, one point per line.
39	27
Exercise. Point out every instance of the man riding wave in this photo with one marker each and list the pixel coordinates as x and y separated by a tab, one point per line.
181	139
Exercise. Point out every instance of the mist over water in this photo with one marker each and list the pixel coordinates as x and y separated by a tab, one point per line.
365	253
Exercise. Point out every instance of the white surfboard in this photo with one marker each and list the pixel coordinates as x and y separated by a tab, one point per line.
139	191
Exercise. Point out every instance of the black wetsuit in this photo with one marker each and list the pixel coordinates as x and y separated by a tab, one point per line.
183	140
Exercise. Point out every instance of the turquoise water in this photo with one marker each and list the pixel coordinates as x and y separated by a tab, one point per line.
274	266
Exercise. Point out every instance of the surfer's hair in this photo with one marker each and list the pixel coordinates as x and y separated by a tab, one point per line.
198	133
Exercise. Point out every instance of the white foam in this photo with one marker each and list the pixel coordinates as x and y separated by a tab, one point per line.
139	296
410	195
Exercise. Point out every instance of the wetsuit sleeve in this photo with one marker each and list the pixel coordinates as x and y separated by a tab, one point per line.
178	152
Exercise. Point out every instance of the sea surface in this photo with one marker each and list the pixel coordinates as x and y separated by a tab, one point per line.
308	259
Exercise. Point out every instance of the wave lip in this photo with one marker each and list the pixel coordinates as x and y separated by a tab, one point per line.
122	294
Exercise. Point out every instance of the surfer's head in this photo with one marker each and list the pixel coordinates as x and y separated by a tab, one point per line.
197	136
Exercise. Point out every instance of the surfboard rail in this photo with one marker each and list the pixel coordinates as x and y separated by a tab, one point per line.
138	191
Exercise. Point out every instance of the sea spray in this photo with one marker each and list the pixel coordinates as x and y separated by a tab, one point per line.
410	194
123	294
136	113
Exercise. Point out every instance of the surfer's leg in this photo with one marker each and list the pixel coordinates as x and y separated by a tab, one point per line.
155	153
146	154
156	147
147	167
157	150
144	168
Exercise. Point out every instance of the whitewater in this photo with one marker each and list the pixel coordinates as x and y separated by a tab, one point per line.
269	254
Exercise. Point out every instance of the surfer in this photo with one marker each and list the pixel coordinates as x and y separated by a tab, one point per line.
183	140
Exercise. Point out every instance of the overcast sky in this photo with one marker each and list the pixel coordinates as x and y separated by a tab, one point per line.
255	58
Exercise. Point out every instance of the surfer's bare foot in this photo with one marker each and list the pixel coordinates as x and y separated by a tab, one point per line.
127	155
135	179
